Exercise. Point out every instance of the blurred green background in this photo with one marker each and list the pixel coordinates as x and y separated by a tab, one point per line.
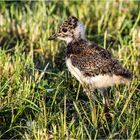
39	99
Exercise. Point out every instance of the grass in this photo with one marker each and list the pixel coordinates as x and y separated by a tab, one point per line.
39	99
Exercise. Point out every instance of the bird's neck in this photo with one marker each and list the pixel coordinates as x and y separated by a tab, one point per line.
75	39
79	33
76	46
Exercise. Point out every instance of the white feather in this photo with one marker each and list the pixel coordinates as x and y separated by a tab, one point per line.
99	81
80	31
67	39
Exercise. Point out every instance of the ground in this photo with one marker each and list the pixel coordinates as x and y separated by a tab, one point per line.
39	98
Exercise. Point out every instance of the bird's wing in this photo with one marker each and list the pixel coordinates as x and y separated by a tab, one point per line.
96	60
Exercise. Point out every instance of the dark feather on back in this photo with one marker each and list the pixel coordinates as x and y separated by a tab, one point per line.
93	60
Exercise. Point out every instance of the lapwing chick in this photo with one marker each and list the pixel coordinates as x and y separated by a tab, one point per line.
93	66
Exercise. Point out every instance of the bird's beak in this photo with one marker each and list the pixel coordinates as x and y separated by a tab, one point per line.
53	36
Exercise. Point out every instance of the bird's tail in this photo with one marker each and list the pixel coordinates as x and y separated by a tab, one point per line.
125	74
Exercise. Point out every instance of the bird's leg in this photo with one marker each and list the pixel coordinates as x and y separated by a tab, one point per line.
105	97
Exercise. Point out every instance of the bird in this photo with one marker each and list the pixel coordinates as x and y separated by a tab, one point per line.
93	66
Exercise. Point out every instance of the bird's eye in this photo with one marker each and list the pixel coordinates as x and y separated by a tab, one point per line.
64	30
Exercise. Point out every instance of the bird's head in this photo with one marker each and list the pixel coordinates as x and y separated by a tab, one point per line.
71	29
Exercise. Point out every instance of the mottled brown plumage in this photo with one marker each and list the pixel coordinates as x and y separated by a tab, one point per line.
92	60
93	66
